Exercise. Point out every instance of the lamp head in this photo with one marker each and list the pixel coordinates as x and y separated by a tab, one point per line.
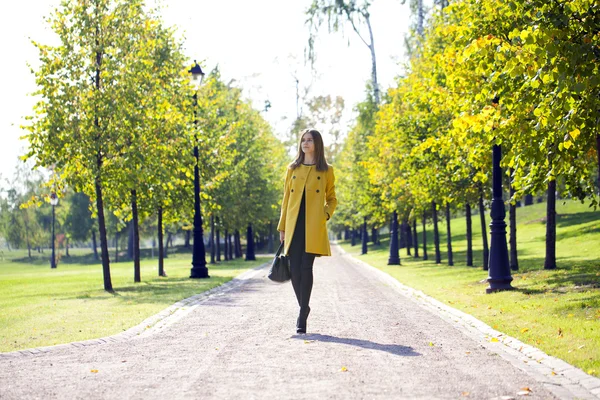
53	199
196	75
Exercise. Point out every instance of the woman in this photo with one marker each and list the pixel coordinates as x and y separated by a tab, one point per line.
308	202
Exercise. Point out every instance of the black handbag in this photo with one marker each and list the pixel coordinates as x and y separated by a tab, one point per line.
280	268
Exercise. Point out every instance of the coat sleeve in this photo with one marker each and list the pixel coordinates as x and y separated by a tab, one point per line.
284	203
330	199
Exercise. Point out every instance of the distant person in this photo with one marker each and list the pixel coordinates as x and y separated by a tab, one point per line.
308	202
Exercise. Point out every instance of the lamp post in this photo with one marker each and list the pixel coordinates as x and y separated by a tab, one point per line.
54	203
499	276
199	269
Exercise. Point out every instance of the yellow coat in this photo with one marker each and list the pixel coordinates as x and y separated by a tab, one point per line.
320	201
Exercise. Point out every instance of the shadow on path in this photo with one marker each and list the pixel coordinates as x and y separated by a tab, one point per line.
395	349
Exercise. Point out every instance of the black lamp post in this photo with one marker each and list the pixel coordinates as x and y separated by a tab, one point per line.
499	267
199	269
394	253
54	203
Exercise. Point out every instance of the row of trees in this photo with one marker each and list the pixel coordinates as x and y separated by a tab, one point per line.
115	121
520	74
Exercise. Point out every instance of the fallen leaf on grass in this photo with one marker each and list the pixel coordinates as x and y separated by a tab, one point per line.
95	371
344	369
560	333
570	315
582	346
489	307
591	371
524	330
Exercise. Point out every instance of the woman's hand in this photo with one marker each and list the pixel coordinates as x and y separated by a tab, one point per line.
281	236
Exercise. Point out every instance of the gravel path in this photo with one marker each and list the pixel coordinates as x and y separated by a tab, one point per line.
365	341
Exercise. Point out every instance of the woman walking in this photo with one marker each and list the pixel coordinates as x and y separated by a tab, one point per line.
308	202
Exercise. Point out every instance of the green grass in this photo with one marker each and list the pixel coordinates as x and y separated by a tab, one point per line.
42	307
557	311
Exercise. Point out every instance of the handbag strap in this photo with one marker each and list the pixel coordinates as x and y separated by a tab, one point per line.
279	250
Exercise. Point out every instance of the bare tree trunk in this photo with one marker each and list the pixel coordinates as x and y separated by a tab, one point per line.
550	261
117	245
469	236
230	246
409	240
226	249
103	240
486	250
373	61
436	234
218	242
136	239
598	157
212	239
424	238
416	238
512	213
67	246
449	236
94	244
161	250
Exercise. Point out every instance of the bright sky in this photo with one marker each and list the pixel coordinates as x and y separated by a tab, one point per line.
258	43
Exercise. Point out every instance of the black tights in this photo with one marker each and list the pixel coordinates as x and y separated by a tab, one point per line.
301	262
301	268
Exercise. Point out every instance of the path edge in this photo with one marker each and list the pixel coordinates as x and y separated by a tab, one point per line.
568	381
151	324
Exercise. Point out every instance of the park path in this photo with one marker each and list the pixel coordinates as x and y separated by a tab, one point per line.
365	341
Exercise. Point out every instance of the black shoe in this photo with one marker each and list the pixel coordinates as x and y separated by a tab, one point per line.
301	321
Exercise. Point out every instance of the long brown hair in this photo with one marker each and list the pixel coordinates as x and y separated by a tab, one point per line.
321	162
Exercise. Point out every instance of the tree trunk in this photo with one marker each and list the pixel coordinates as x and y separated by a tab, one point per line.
230	246
528	199
250	246
212	239
486	250
598	157
469	236
130	240
436	234
117	245
512	213
188	235
218	242
136	239
271	239
67	246
409	240
416	238
449	236
161	250
226	249
94	244
424	238
238	244
402	233
103	240
550	261
373	61
27	236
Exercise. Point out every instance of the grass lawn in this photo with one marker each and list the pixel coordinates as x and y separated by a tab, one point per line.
557	311
42	307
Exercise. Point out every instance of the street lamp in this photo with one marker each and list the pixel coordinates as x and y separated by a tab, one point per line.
53	202
499	276
199	269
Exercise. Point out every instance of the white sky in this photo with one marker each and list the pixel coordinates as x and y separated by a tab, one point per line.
258	43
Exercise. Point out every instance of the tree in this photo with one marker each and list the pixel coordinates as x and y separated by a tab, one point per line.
338	13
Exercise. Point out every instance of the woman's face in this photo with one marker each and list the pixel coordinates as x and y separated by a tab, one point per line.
308	144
